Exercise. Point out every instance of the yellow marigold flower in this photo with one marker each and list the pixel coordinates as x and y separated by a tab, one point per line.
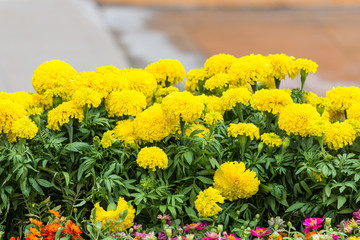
213	104
152	157
103	216
167	72
41	101
281	65
271	139
306	65
182	105
113	79
318	127
218	81
341	98
55	213
24	128
339	134
234	181
9	113
233	96
108	139
295	118
206	202
354	111
163	92
127	102
354	238
63	113
193	77
152	125
91	80
270	100
125	131
250	69
51	76
219	63
355	124
243	129
87	97
213	117
22	98
141	81
197	127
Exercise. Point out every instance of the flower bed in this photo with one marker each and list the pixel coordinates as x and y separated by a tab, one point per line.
112	147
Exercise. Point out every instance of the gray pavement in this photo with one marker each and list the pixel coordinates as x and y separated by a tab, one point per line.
36	31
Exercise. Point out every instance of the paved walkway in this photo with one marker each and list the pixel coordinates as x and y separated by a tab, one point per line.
36	31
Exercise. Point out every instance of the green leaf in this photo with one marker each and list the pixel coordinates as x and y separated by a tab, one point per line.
67	178
76	146
205	180
36	186
162	208
44	183
189	156
346	211
58	233
295	206
341	201
306	187
172	211
327	190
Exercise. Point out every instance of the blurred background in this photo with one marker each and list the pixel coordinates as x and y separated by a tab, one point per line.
134	33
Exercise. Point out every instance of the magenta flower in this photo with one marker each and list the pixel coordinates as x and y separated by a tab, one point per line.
312	224
333	237
356	215
259	232
211	236
165	218
230	237
196	226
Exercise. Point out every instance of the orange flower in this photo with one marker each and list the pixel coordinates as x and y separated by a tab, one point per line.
50	231
13	238
55	213
308	235
73	229
31	236
281	236
35	231
37	223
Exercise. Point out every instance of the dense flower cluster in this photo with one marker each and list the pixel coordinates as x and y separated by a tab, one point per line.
243	129
167	72
271	139
270	100
152	157
206	202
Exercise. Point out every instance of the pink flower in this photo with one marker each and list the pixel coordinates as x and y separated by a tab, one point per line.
196	226
259	232
312	224
356	215
165	218
230	237
333	237
211	236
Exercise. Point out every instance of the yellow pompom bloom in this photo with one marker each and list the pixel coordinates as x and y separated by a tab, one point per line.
206	202
108	139
219	63
163	92
341	98
152	157
281	65
42	101
354	238
355	124
213	117
9	113
63	113
213	104
167	72
104	216
182	105
141	81
295	118
234	181
24	128
337	135
125	132
193	77
91	80
233	96
54	76
270	100
113	79
354	111
218	81
271	139
197	127
243	129
318	127
87	97
127	102
152	125
250	69
306	65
